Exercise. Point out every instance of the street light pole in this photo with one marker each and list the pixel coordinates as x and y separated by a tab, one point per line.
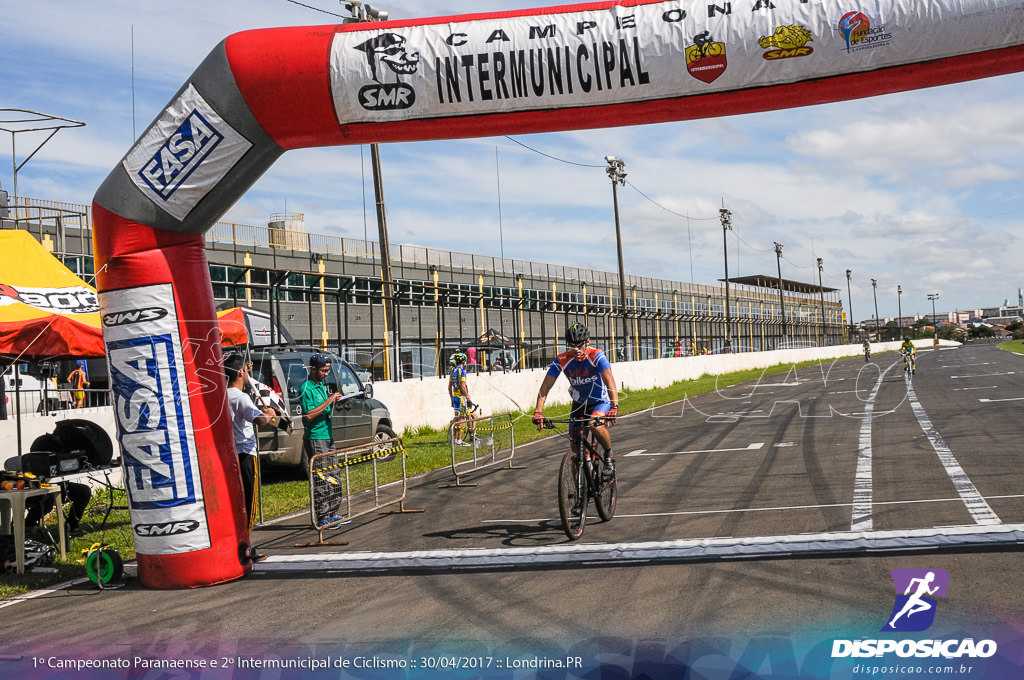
782	300
874	293
617	173
935	330
849	301
821	297
726	218
899	310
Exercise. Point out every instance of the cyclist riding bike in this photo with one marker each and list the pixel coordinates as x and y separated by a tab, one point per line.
909	353
867	350
591	386
458	392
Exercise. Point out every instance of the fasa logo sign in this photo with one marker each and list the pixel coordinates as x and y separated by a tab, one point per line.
180	155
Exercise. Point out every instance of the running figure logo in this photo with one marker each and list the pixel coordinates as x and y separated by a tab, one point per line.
914	609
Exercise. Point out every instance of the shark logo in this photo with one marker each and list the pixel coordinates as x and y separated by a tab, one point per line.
384	52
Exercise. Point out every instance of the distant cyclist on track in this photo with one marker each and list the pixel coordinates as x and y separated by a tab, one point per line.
909	353
591	386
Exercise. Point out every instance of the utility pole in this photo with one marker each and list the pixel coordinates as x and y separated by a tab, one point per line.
366	14
782	300
935	329
617	173
874	293
849	301
899	310
726	218
821	297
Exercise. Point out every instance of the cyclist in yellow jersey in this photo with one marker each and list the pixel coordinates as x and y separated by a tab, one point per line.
909	353
458	391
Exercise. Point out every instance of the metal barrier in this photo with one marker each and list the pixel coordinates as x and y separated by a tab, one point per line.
347	483
491	441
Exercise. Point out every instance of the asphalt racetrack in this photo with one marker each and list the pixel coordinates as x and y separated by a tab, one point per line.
772	510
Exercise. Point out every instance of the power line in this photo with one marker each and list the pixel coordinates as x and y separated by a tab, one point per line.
554	158
316	9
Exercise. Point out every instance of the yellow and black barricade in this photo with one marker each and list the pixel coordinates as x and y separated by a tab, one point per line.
347	483
489	441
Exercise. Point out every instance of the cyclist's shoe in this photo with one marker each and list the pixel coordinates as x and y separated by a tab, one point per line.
609	467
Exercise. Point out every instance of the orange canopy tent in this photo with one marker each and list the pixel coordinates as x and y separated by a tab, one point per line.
48	312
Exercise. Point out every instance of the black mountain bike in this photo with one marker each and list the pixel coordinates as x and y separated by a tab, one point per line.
582	477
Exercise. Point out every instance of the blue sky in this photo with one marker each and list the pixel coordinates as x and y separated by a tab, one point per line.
919	189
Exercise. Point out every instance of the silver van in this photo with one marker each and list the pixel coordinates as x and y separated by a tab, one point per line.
358	420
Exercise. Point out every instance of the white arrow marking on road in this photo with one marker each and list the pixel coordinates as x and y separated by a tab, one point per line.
750	447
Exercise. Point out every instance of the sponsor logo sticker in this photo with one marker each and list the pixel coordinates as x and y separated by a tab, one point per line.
71	300
186	153
387	55
787	42
706	58
859	34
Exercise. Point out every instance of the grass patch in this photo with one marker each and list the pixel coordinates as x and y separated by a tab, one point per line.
1012	346
286	491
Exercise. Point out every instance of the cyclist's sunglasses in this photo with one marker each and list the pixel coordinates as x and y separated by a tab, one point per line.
579	346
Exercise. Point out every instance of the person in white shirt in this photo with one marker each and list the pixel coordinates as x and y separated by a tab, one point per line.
244	415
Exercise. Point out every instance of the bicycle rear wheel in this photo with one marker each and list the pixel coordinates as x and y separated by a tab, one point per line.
604	499
573	497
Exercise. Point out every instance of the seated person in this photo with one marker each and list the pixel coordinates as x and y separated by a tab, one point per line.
71	492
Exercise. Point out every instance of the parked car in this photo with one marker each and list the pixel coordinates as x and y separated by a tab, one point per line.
358	420
37	394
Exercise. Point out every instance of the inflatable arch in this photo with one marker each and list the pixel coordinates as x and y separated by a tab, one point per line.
263	92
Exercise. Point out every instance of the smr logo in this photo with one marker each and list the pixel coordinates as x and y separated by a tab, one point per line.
914	609
388	50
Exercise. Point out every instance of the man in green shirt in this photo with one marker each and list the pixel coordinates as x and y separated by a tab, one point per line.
317	437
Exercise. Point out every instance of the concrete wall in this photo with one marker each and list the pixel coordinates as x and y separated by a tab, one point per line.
418	403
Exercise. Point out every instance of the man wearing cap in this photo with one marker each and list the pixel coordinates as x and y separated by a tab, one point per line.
317	436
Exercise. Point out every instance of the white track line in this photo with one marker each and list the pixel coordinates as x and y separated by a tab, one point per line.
976	505
732	511
764	547
643	452
863	492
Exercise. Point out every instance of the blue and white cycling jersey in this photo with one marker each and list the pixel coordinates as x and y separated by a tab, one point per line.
584	375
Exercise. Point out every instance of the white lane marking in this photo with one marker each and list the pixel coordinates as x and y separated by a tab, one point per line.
649	551
964	389
975	503
730	511
783	444
980	375
863	493
644	452
1008	399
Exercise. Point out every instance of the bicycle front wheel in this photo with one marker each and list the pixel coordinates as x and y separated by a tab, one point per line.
572	497
604	499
